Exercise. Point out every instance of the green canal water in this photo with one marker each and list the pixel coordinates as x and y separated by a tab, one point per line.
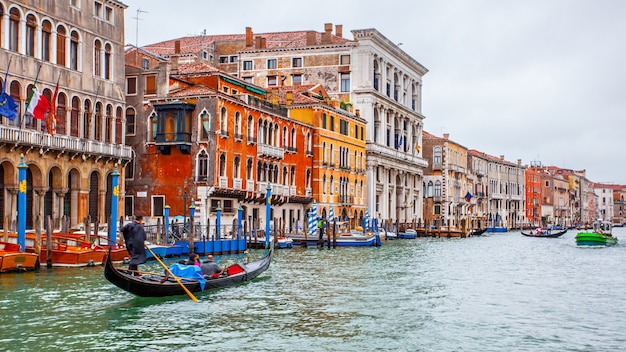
497	292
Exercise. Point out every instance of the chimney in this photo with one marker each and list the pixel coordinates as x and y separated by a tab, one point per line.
260	43
446	135
311	38
249	37
328	29
289	98
519	161
339	30
502	157
177	47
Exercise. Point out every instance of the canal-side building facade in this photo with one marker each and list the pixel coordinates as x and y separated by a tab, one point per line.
213	138
79	47
370	73
448	195
338	152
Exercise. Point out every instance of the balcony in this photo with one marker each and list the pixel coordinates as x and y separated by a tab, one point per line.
251	140
223	182
437	167
181	140
270	151
237	183
395	155
238	137
250	185
65	144
223	133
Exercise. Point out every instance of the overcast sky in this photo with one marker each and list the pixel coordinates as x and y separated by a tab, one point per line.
537	80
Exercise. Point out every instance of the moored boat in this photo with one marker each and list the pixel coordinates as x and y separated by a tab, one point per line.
158	285
12	259
600	235
477	232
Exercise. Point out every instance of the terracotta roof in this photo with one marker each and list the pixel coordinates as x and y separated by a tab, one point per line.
197	89
275	40
302	94
196	68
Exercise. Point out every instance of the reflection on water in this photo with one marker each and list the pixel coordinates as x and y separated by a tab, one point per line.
491	293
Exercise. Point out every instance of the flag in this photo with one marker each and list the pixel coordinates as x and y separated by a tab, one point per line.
52	119
37	104
468	196
7	104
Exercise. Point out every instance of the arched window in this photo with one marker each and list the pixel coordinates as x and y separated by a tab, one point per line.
31	29
324	184
222	165
293	138
249	175
285	137
74	51
107	61
223	120
237	168
87	120
237	131
203	165
323	120
46	38
205	125
97	52
324	153
14	92
118	125
250	128
437	188
429	190
61	34
75	124
285	176
98	122
108	129
154	127
61	114
14	29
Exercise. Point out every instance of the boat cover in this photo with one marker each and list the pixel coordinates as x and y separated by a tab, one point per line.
188	272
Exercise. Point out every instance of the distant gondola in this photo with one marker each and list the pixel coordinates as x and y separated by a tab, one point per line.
150	285
545	234
477	232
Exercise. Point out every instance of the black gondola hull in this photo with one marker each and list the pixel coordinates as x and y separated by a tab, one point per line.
150	285
545	235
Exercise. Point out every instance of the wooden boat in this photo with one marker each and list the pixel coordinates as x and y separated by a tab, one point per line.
11	259
544	233
477	232
70	250
281	242
150	285
600	235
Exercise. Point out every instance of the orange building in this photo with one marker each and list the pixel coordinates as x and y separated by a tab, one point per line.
337	148
206	135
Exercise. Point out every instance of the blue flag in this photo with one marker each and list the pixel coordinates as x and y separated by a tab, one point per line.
8	108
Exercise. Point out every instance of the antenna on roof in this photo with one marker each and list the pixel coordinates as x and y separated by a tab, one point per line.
137	28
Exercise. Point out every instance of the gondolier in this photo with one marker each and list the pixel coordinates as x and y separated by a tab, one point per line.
135	236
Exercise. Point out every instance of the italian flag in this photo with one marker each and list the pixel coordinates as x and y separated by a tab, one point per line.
37	105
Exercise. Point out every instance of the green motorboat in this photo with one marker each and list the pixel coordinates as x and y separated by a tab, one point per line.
600	235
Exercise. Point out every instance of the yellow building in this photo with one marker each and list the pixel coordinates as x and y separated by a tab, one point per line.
338	148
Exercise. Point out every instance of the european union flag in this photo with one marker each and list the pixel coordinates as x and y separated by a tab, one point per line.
8	108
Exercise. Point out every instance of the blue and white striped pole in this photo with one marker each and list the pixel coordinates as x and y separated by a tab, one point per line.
21	204
218	220
268	204
115	184
166	216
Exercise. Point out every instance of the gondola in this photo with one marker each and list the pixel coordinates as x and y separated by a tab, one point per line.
477	232
152	284
545	234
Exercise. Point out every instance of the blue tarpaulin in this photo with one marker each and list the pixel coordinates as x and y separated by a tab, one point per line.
188	272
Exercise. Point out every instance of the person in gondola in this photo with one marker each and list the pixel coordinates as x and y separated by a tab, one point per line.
194	259
211	269
135	237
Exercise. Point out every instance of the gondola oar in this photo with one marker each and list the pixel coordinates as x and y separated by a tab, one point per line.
193	298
